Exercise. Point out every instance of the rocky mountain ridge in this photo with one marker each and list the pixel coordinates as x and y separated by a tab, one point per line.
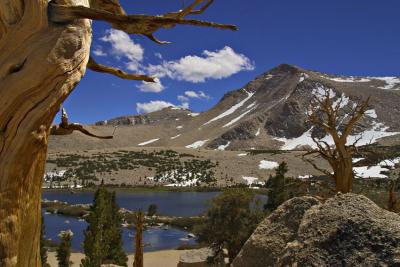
267	113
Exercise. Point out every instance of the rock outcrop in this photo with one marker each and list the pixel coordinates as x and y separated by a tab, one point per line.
347	230
195	258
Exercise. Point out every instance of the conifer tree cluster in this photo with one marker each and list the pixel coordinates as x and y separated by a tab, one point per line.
229	223
64	249
103	237
276	185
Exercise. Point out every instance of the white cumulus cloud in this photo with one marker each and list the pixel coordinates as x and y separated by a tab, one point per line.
152	106
153	87
122	46
194	94
184	101
158	55
183	98
211	65
98	51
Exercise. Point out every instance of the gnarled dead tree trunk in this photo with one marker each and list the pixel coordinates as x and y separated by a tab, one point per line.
332	117
44	53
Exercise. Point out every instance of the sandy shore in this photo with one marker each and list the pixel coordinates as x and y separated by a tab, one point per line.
164	258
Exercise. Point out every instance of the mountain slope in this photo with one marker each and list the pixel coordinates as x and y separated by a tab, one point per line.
267	113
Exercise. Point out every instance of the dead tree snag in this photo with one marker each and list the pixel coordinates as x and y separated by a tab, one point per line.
337	124
45	47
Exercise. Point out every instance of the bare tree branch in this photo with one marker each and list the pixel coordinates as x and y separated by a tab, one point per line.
132	24
93	65
112	6
189	10
315	166
66	128
356	115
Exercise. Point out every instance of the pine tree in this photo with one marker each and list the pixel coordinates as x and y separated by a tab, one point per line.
229	223
116	253
64	249
103	237
152	210
276	185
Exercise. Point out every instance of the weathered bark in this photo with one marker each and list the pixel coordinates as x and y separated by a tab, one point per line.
94	66
344	176
40	64
44	53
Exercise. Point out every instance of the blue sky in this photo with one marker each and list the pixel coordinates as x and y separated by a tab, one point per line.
349	37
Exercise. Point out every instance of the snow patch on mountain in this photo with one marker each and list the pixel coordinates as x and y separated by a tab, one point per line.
251	105
355	160
320	91
232	109
149	142
349	79
369	136
269	76
378	131
185	179
258	132
342	101
54	174
376	171
371	113
307	176
197	144
174	137
239	117
304	139
242	154
267	165
223	147
249	180
391	83
303	76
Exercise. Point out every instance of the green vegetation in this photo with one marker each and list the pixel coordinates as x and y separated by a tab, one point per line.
266	151
152	210
199	171
103	236
276	185
186	223
78	210
169	166
64	249
229	223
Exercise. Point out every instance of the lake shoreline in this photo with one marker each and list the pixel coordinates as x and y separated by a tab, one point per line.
145	189
138	189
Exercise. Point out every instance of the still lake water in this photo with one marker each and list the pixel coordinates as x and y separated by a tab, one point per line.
169	203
